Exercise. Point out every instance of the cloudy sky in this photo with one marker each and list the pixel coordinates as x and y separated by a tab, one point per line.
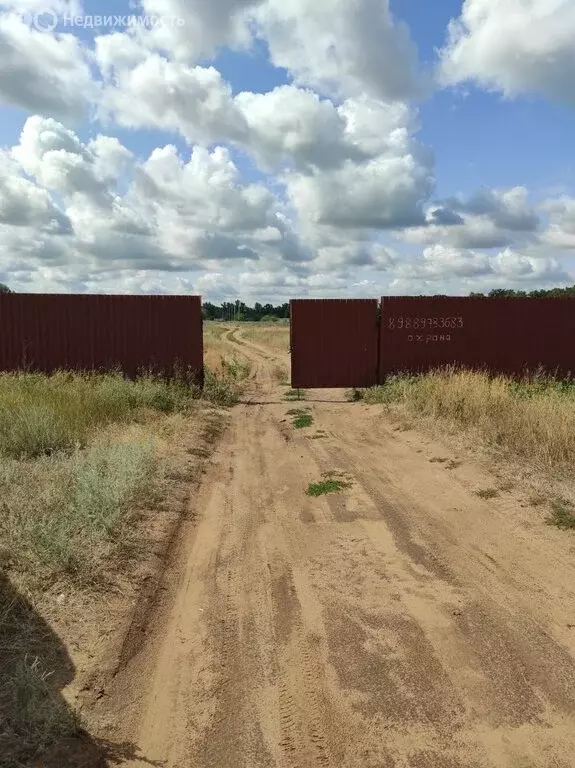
270	149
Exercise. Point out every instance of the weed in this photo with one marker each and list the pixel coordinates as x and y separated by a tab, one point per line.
354	395
533	419
487	493
562	514
301	417
329	485
39	717
295	394
41	415
223	386
536	499
58	512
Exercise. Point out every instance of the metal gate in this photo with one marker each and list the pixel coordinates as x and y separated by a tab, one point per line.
334	342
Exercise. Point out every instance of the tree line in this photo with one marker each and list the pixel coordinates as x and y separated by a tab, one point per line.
507	293
239	311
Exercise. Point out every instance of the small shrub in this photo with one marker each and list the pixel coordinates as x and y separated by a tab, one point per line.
487	493
562	515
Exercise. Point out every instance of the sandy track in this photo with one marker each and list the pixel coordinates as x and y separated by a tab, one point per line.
403	622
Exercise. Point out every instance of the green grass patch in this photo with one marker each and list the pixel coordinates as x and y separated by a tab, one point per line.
331	482
326	486
301	417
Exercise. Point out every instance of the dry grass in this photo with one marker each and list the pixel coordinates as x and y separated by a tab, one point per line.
81	462
41	415
531	420
275	336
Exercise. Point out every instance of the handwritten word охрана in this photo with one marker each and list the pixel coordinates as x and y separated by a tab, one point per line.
429	338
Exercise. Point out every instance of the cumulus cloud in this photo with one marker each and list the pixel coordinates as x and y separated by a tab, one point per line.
516	46
490	218
471	270
175	214
385	190
295	126
202	28
561	230
24	204
155	92
44	73
342	47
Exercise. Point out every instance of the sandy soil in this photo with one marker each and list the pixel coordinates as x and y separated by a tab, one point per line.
404	621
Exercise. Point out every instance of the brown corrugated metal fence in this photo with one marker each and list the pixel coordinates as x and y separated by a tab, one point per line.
502	335
333	342
47	332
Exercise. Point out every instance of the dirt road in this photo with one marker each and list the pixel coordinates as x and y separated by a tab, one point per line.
404	621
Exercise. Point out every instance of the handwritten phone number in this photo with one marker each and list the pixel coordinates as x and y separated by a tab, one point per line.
421	323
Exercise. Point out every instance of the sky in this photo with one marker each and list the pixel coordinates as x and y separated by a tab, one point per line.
275	149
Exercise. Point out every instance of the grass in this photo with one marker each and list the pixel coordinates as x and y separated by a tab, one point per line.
82	459
530	420
562	514
301	417
41	415
295	394
223	384
37	717
272	335
326	486
331	482
487	493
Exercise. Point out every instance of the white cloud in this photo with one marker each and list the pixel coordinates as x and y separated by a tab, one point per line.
561	230
295	126
158	93
470	270
513	46
382	193
42	72
202	28
24	204
385	190
490	218
342	47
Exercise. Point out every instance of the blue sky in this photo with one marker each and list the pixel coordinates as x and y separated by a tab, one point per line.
327	185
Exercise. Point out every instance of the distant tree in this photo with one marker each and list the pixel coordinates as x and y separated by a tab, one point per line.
4	288
239	311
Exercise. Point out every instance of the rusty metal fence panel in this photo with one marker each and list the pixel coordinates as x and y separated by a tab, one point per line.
47	332
333	342
508	335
